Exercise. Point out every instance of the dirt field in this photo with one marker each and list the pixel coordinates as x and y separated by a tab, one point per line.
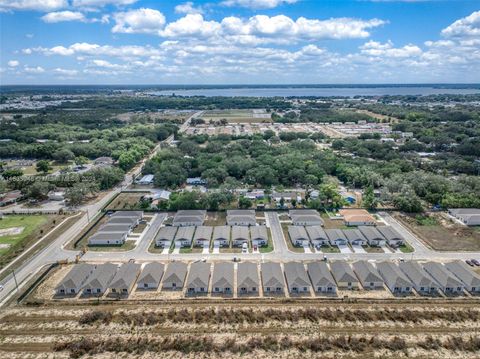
237	116
443	234
275	328
380	117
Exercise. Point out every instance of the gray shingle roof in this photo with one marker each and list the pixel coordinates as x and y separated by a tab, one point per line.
393	276
115	227
240	232
353	235
199	275
272	275
176	271
390	233
417	274
320	275
465	274
296	275
76	276
127	214
247	275
221	232
342	272
223	275
316	233
125	276
151	273
166	233
441	275
185	233
366	272
259	232
102	275
203	233
122	220
297	232
371	233
335	234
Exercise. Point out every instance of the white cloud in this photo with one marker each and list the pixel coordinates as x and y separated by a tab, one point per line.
61	16
257	4
37	5
66	72
34	70
101	3
465	27
191	25
373	48
188	8
13	63
146	21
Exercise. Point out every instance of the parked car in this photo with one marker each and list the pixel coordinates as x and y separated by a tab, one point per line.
476	262
255	247
1	287
470	263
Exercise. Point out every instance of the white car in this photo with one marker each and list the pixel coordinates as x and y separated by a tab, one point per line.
1	287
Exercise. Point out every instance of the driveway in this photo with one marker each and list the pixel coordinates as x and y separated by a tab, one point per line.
344	248
176	250
206	248
216	248
358	248
166	249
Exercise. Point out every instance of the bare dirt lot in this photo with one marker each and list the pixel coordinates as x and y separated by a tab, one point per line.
441	233
126	201
275	328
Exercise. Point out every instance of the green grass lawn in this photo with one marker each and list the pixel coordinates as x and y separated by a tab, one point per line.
128	245
406	248
369	249
329	249
29	223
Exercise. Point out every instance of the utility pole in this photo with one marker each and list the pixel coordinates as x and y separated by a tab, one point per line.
15	279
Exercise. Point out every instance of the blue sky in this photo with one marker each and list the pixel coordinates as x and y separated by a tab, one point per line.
239	41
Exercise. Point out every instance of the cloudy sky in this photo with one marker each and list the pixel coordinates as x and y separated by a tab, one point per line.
239	41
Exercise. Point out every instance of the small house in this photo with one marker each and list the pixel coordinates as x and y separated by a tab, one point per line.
321	277
247	278
221	236
151	275
222	279
198	278
272	278
297	279
175	274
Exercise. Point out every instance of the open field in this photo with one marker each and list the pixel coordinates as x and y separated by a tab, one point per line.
442	234
273	328
125	201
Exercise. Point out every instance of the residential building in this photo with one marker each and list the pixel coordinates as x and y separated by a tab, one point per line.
305	217
248	281
373	236
336	237
184	236
394	278
469	278
196	181
394	239
321	277
241	217
124	279
298	235
186	218
296	276
10	198
259	235
56	195
175	274
368	275
222	279
165	236
344	276
198	278
145	180
107	239
355	237
202	236
151	276
106	161
132	222
115	228
446	280
357	217
240	235
73	282
272	278
317	235
221	236
98	281
468	216
421	280
137	215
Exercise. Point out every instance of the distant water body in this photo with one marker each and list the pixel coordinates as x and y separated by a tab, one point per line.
316	91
